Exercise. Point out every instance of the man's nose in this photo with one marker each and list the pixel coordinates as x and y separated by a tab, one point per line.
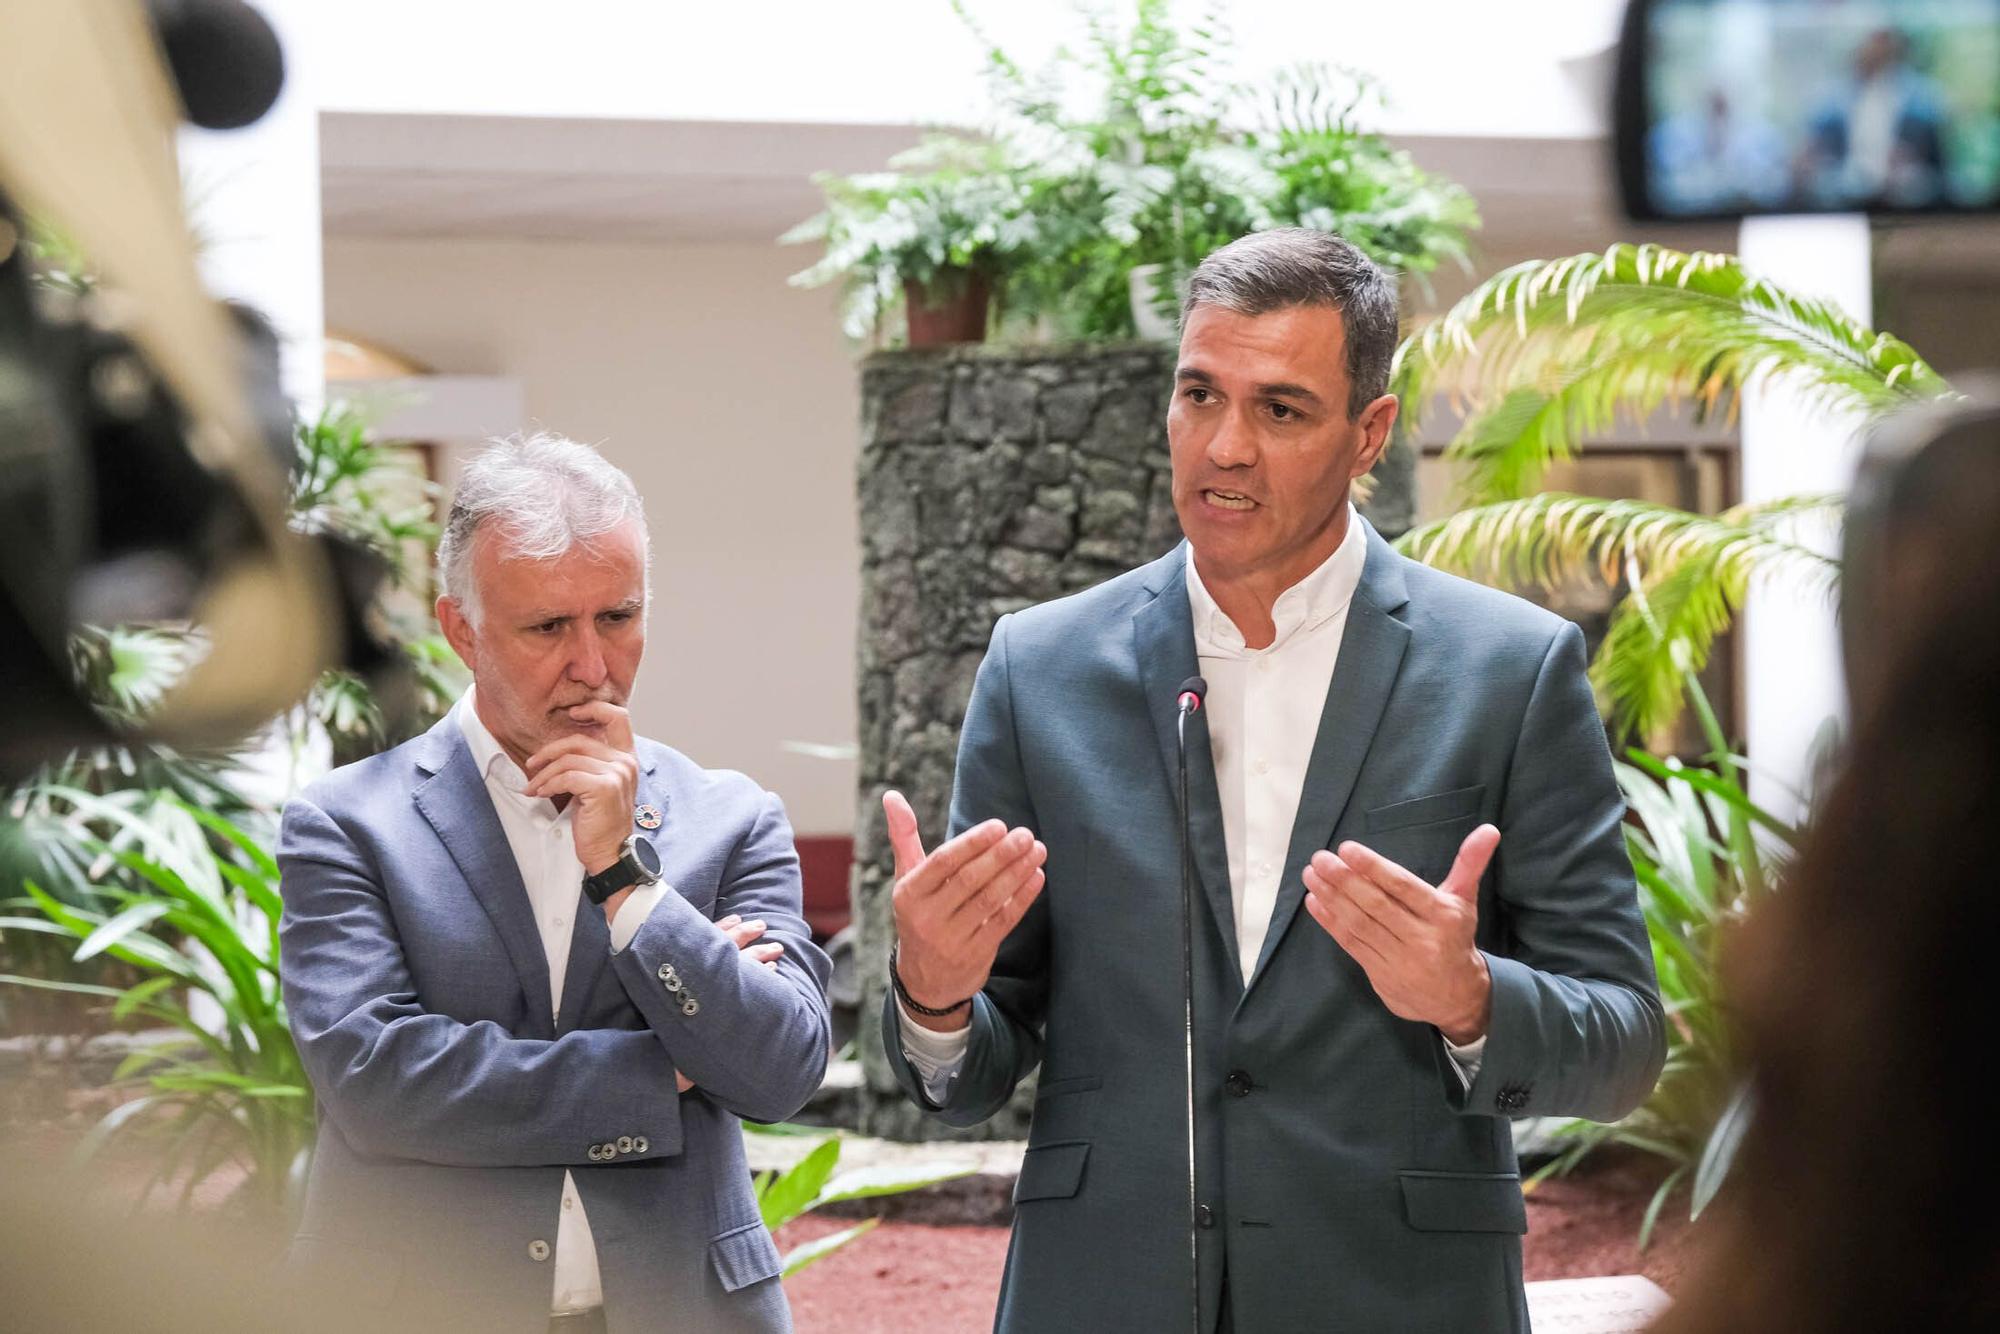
1234	444
586	659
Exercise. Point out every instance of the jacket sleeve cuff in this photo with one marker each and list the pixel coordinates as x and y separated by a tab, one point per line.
632	913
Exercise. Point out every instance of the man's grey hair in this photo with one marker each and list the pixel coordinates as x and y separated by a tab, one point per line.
541	494
1296	266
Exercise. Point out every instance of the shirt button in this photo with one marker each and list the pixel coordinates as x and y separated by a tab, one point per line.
1263	766
1263	868
569	1202
556	922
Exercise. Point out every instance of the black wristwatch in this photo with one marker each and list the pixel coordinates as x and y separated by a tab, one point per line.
637	864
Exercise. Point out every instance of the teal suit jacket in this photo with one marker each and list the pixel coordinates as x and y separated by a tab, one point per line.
1349	1178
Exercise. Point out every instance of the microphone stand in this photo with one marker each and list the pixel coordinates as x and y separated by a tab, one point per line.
1191	694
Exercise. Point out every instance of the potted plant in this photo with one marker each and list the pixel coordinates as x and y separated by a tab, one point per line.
934	235
1160	179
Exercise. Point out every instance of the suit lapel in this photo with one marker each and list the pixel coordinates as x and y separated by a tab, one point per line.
590	939
455	801
1164	634
1364	675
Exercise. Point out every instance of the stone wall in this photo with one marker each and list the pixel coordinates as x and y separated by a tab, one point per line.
990	479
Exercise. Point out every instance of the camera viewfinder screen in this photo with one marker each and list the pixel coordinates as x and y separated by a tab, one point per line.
1822	106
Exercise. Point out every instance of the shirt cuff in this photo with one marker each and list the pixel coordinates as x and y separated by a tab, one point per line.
936	1057
1465	1059
632	913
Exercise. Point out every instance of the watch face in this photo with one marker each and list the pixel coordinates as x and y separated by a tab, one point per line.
648	858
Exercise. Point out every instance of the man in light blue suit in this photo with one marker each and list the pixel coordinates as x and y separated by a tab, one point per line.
1411	759
538	967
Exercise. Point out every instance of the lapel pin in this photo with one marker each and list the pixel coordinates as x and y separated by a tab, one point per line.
647	816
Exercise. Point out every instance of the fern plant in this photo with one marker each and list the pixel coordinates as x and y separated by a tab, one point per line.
1120	154
1704	855
1547	353
188	901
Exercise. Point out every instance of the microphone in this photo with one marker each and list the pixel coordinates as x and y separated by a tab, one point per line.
1187	703
225	57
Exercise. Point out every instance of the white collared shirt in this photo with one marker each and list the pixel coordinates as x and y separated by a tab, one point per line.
544	849
1264	707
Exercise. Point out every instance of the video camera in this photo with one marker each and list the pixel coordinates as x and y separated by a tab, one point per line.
144	441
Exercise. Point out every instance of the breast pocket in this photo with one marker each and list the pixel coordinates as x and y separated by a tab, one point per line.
1438	808
1423	835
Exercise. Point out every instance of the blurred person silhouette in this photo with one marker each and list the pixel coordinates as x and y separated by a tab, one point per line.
1879	139
1717	155
1862	1197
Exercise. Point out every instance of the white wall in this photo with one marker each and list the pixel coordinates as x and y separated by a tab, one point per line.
1500	72
732	401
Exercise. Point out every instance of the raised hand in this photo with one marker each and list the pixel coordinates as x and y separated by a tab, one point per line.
1415	941
597	770
954	906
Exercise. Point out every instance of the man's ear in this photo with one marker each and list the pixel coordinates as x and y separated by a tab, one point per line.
1377	423
457	631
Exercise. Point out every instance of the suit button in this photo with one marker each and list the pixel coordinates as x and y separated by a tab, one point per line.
624	1144
1238	1084
673	984
596	1153
639	1144
538	1250
1204	1216
666	973
607	1151
690	1007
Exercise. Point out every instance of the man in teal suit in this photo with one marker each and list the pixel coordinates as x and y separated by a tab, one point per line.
1413	760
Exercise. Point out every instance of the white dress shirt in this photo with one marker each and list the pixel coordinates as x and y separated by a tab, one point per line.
1263	710
545	851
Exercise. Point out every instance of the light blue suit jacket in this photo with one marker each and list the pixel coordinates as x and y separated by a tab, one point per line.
451	1101
1349	1179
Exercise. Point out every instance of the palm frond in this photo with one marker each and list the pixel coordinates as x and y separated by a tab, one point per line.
1629	330
1660	635
1552	538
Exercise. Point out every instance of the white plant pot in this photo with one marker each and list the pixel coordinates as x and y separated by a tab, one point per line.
1146	317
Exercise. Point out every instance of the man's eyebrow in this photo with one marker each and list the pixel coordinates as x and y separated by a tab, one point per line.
1193	374
1298	391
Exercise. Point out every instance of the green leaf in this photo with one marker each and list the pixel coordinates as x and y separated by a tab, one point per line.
809	1252
868	1182
794	1191
1719	1154
135	918
1659	1201
138	995
47	984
